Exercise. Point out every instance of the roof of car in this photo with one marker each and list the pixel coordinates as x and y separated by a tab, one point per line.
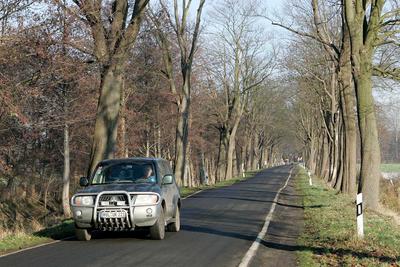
131	159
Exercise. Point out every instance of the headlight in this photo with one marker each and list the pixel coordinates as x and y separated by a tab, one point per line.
146	199
84	200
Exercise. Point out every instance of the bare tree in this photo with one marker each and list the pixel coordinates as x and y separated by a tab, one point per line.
241	65
363	20
114	27
10	8
326	26
187	44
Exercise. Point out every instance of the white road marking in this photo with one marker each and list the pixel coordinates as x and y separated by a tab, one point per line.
254	247
195	193
70	237
37	246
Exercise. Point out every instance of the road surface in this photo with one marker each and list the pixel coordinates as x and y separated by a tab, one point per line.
218	228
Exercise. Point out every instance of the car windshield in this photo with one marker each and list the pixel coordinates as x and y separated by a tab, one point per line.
124	173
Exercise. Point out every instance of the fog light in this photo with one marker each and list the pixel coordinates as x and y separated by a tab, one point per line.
149	211
78	213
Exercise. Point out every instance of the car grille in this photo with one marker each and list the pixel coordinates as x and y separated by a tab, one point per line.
114	224
113	200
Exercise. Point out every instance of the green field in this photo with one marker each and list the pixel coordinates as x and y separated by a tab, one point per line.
329	238
386	167
392	167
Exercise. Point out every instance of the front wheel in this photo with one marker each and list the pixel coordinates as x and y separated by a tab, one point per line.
157	231
176	225
83	234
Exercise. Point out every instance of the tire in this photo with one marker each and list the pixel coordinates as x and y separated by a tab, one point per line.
157	231
176	225
83	234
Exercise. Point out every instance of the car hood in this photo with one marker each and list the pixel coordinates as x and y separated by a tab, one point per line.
142	187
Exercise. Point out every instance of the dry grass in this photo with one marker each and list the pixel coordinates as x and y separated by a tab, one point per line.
19	239
390	194
25	223
330	237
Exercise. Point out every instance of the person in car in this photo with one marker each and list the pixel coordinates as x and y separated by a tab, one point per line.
148	174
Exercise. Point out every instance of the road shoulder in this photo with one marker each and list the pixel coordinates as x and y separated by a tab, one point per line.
279	246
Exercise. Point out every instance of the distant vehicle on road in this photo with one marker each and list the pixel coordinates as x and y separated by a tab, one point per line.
123	194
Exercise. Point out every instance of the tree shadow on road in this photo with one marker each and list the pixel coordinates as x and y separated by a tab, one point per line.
292	248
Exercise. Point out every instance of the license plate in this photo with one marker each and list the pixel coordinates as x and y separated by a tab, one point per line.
112	214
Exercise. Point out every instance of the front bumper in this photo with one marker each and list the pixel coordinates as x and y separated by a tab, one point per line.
135	215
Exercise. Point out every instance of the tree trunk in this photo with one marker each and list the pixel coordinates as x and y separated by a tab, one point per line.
254	160
188	172
363	19
123	136
349	117
231	147
203	170
239	158
266	157
66	175
370	150
324	158
350	132
182	130
341	147
9	191
221	160
105	133
311	157
124	147
159	152
249	143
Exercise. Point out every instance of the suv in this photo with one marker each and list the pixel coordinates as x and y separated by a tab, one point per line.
122	194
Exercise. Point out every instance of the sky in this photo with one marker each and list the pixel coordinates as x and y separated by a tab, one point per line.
270	5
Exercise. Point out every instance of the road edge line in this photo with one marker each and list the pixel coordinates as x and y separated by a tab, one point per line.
251	252
36	246
70	237
195	193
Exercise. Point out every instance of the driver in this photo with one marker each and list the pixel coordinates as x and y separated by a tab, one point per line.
148	174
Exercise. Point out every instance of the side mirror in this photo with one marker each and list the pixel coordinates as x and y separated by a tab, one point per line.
168	179
83	181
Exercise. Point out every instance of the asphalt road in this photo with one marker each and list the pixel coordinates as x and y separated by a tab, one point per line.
218	228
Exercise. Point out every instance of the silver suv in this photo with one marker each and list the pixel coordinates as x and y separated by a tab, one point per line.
123	194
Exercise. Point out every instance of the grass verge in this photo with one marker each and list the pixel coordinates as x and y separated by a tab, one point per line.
187	191
16	241
329	237
21	240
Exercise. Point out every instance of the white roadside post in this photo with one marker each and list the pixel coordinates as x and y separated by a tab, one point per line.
309	177
360	217
243	175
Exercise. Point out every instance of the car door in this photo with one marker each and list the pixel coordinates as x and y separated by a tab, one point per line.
164	189
168	190
173	189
